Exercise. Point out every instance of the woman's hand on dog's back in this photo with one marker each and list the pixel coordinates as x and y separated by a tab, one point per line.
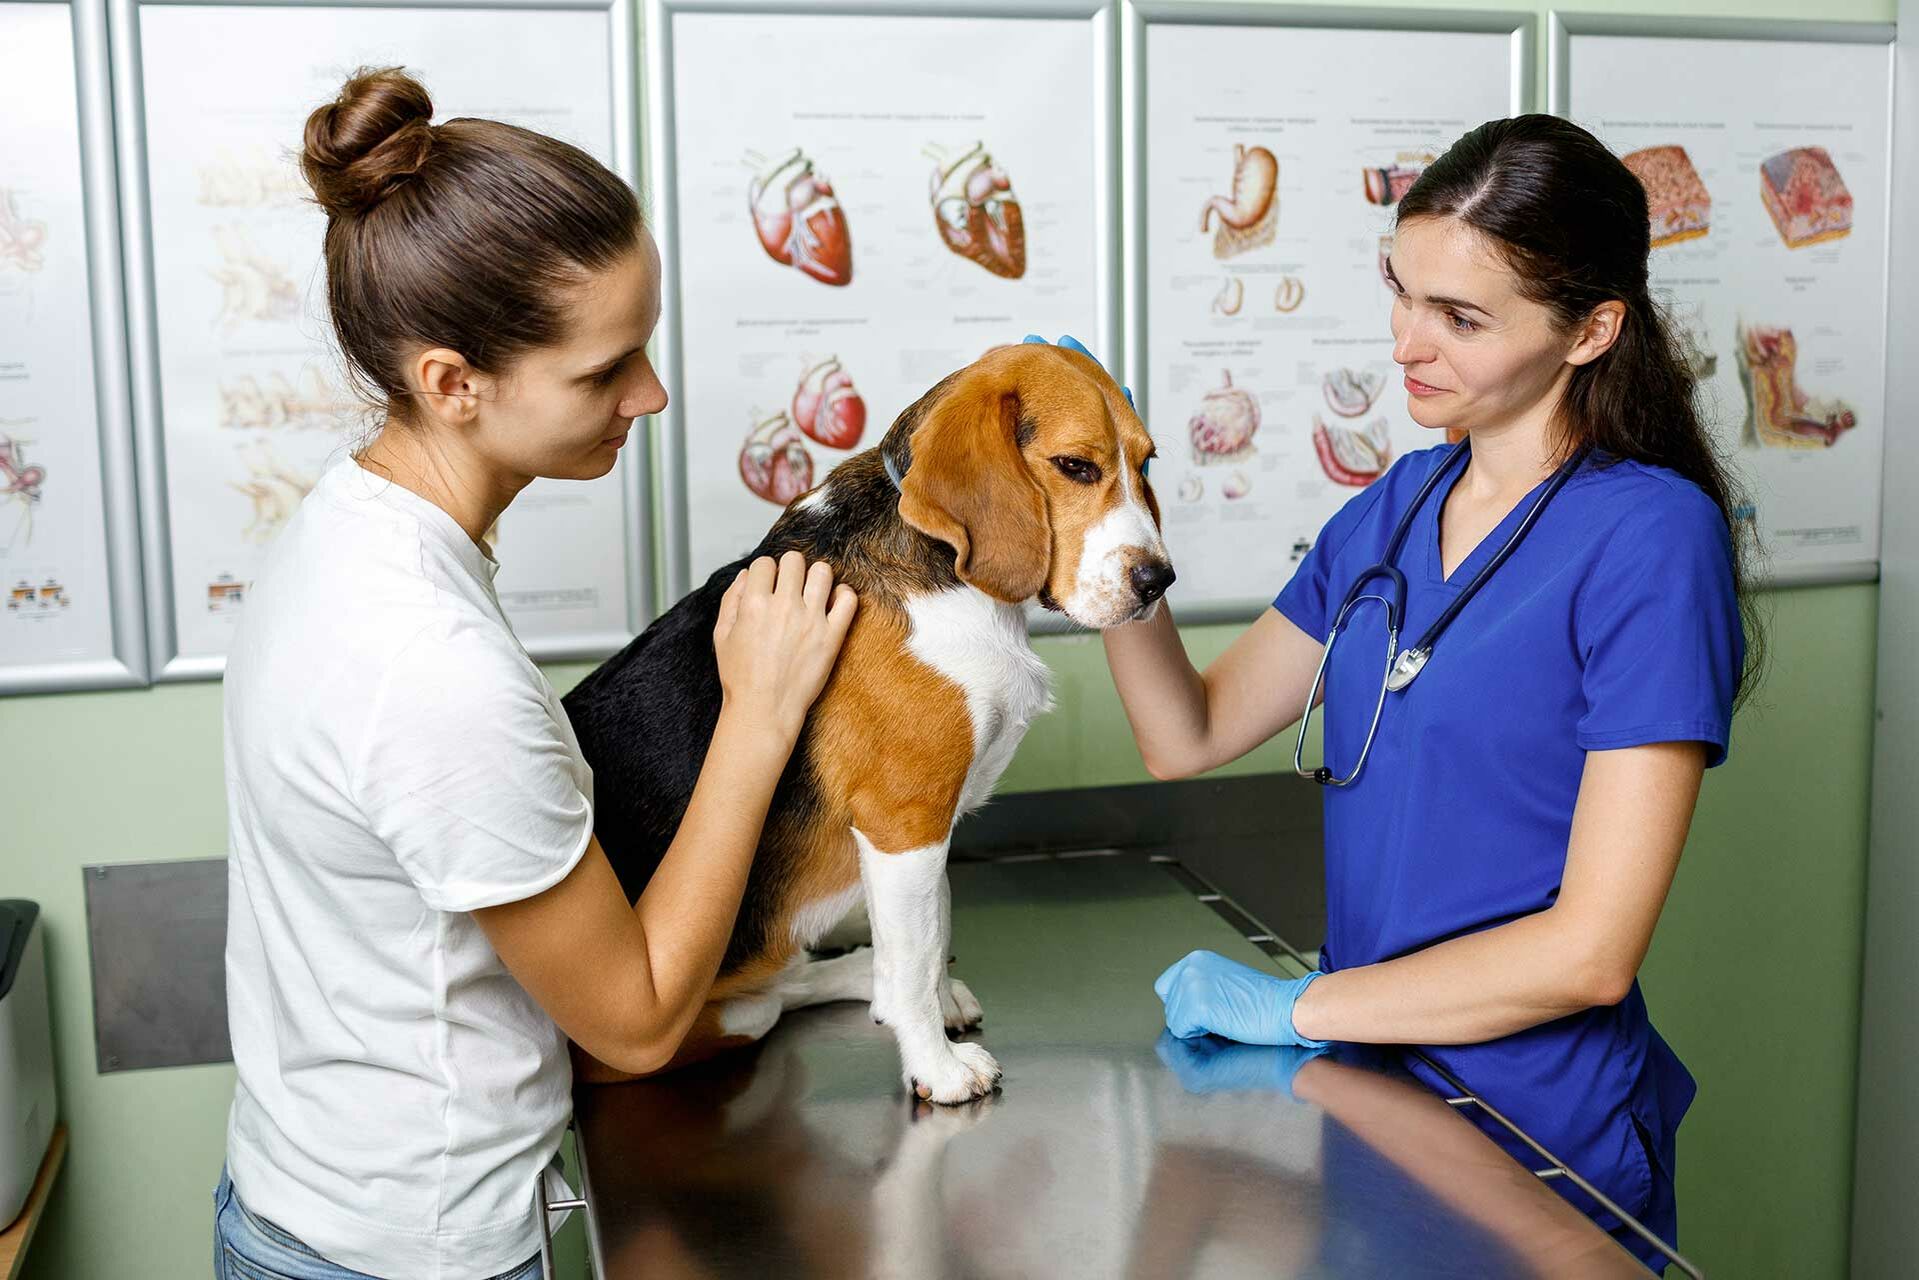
779	631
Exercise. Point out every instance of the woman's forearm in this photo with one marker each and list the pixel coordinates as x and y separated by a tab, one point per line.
1478	987
688	907
1164	695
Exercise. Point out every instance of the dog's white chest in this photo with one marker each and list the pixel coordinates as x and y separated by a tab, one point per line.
981	646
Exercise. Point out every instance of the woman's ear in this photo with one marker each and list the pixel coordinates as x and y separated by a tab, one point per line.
969	487
1598	333
450	388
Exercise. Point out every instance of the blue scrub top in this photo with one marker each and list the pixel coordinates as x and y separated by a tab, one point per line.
1614	624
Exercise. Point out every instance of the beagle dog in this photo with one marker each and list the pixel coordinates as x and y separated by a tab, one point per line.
1021	477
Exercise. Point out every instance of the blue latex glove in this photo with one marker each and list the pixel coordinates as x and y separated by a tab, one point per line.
1208	1064
1071	343
1206	992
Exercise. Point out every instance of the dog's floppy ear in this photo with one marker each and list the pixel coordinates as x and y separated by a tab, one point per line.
968	487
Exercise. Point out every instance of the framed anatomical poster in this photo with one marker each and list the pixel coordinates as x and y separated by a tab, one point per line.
1260	196
69	532
241	399
1769	217
854	201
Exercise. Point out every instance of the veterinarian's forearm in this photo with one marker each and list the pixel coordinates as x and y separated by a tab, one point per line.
1164	695
687	910
1478	987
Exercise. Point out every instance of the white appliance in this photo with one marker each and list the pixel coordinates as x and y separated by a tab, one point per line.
26	1054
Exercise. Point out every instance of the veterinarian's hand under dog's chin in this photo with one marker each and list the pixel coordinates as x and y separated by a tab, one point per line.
779	631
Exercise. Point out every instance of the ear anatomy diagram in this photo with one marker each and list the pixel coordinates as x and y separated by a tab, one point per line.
252	286
1352	456
1806	197
253	183
21	238
1385	262
978	214
1350	392
19	488
1387	185
799	220
827	407
1780	415
1680	206
1230	296
313	405
274	488
1288	296
774	462
1249	218
1222	429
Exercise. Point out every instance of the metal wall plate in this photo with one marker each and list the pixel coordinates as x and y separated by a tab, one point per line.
156	943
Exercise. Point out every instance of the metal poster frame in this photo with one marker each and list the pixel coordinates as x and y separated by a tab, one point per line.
1520	28
143	329
1102	15
1563	25
128	665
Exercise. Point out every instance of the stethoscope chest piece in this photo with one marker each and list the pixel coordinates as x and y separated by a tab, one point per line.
1407	668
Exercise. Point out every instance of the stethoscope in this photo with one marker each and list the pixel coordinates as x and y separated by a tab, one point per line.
1403	668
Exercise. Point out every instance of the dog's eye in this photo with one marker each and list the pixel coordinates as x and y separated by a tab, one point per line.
1078	470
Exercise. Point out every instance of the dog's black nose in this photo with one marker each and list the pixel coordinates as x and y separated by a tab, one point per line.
1150	580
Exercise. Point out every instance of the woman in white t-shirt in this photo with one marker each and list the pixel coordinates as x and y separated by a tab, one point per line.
419	916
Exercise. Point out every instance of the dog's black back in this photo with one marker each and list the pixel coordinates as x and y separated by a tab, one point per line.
644	717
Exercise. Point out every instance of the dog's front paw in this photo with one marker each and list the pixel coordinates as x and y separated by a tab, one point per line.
960	1073
959	1007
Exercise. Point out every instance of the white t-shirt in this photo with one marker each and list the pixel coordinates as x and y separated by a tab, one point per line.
394	760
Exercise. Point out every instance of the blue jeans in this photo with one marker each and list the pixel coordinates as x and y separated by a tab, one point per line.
249	1247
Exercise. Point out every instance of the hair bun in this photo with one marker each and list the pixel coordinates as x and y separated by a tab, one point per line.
368	141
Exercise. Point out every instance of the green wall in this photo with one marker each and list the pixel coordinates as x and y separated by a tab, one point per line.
1753	977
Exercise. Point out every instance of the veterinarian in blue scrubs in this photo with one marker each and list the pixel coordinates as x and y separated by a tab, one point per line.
1499	846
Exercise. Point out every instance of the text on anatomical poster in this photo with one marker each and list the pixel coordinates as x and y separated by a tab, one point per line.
865	204
255	403
53	531
1269	191
1768	219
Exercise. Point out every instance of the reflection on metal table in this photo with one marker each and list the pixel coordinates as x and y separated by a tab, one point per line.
1111	1150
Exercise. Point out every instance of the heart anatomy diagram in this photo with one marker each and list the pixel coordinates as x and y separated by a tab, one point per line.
775	462
977	212
800	222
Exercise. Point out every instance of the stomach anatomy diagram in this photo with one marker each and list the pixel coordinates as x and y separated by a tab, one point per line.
253	288
21	238
799	221
1780	415
826	408
1288	294
1352	456
977	212
20	484
1223	426
1351	392
1386	185
1249	218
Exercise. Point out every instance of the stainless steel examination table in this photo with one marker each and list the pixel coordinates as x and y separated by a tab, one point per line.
802	1157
